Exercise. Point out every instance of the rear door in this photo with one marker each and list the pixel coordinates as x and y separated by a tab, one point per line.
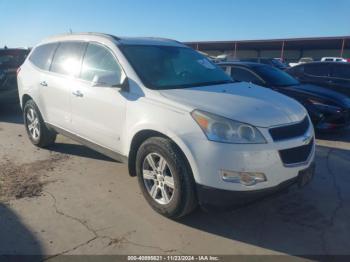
41	59
98	112
340	78
57	84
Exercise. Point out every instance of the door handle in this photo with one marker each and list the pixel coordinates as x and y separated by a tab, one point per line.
78	93
43	83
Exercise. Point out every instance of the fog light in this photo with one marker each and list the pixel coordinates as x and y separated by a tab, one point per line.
244	178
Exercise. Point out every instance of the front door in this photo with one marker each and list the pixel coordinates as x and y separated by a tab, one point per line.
98	111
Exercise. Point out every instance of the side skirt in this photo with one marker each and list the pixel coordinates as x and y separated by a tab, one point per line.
104	151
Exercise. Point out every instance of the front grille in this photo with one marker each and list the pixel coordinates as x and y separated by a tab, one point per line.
296	155
290	131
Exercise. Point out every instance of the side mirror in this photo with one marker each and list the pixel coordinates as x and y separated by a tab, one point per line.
110	79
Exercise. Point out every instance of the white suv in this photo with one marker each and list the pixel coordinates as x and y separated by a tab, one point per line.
188	131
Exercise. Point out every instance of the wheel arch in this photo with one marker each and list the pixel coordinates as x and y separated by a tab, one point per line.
25	98
142	136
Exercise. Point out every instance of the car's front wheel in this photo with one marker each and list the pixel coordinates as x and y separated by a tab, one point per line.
165	178
36	128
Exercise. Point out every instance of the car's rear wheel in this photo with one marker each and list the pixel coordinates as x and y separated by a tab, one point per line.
36	128
165	178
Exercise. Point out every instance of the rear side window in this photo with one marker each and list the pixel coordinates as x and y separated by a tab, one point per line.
42	55
341	71
99	61
244	75
317	69
67	59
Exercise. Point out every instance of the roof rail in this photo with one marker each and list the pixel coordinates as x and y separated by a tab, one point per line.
167	39
90	33
99	34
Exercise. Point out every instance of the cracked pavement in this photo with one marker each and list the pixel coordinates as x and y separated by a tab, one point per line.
89	205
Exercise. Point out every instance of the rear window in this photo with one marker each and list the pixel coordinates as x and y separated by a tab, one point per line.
67	59
42	55
317	69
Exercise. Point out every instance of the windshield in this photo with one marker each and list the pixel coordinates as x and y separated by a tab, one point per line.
275	77
166	67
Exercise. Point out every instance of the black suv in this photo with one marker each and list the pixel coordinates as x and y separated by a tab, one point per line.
10	61
332	75
328	109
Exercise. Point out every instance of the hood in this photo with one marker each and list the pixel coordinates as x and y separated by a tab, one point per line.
323	93
242	101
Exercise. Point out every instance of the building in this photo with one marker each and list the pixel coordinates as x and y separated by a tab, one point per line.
288	49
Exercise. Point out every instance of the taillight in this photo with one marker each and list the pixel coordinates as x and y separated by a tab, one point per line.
18	69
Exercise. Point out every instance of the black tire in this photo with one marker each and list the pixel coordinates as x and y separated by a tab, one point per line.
46	136
183	200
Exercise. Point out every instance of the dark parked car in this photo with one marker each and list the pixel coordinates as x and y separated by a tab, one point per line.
332	75
275	62
328	109
10	61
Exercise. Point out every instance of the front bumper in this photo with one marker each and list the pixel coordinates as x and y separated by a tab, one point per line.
208	159
214	198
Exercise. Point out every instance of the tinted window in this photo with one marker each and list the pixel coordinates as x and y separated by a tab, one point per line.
99	61
317	69
341	71
165	67
42	55
274	76
67	59
296	70
242	74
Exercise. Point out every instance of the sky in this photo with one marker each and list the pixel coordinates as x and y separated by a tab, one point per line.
24	23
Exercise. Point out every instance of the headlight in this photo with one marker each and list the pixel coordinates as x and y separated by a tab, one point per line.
221	129
324	105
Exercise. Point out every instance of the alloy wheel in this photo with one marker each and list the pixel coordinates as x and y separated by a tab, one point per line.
33	123
158	178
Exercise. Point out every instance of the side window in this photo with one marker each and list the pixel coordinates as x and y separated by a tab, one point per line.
42	55
100	63
67	59
341	71
317	69
242	74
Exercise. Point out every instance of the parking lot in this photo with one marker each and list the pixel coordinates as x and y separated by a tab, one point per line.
71	200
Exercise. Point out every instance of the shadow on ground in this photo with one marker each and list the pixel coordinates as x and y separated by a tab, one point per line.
314	220
16	239
78	150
